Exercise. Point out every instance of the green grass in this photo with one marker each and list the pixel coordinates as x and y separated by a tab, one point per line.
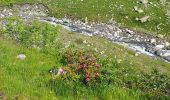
29	78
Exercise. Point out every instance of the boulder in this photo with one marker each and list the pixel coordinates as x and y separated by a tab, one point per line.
144	19
143	1
167	44
163	53
153	40
159	47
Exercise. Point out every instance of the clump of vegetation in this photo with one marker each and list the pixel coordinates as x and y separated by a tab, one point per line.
38	34
81	73
82	66
82	70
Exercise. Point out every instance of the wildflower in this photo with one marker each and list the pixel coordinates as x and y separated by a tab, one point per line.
81	66
97	65
70	65
87	77
60	71
84	66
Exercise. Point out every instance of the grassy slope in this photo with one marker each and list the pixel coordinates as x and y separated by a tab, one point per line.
27	78
97	10
32	73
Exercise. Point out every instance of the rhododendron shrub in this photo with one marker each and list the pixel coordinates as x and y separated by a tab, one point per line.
81	66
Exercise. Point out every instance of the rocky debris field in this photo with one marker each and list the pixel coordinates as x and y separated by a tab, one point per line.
140	42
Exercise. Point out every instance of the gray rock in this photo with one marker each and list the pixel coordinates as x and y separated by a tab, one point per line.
143	1
168	13
159	47
153	41
138	9
144	19
165	53
163	1
21	56
167	44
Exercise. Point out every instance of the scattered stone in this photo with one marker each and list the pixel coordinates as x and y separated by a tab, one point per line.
158	26
119	61
160	36
159	46
2	96
85	41
86	20
163	53
136	54
135	8
102	52
126	17
163	1
151	3
138	10
144	19
111	20
21	56
95	49
167	44
153	41
155	5
143	1
168	13
137	19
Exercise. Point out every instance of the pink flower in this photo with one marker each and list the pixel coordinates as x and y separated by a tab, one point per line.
84	65
87	77
97	65
81	66
70	65
60	71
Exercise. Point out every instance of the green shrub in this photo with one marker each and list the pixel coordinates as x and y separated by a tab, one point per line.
39	35
33	34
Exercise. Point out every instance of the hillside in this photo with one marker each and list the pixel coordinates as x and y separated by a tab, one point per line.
84	49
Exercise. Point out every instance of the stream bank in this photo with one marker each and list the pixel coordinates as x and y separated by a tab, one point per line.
139	42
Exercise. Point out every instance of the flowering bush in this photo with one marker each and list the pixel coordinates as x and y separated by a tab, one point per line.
82	66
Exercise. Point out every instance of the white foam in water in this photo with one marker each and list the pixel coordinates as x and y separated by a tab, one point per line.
136	48
141	50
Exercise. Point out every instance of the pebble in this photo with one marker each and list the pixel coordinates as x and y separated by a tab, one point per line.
153	40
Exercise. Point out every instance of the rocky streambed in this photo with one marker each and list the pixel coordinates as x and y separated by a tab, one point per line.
140	42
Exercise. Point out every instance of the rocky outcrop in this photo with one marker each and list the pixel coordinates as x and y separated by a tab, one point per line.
24	11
